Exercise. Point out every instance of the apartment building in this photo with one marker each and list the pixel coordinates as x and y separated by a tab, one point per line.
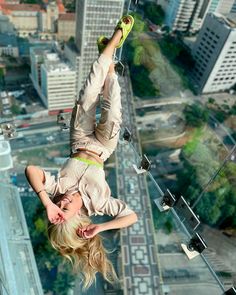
94	18
220	6
215	54
233	8
58	82
66	26
187	16
36	60
8	45
183	15
5	155
28	19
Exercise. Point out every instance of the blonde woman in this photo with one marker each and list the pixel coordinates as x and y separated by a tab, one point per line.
80	189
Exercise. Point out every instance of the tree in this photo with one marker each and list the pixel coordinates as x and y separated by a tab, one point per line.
154	13
195	115
139	25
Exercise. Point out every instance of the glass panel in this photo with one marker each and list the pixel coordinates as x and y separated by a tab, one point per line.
177	273
196	160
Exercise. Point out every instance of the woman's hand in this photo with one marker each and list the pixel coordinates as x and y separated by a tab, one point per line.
89	231
54	213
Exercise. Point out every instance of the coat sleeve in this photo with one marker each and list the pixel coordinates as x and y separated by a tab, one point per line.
113	207
50	184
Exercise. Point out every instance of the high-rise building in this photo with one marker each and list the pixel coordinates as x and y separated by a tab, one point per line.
183	15
233	8
58	80
36	59
220	6
54	78
5	155
187	16
215	54
18	271
94	18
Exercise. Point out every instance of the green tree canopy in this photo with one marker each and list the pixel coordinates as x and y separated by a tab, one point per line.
195	115
154	13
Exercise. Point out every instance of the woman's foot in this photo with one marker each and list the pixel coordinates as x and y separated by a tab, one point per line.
124	26
121	32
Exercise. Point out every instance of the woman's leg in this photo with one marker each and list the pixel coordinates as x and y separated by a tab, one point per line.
83	114
107	130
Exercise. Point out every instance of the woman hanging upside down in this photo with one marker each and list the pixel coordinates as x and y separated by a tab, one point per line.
81	189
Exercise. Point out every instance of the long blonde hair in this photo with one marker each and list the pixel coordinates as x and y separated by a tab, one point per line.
88	256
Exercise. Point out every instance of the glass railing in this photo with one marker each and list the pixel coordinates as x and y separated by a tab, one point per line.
200	171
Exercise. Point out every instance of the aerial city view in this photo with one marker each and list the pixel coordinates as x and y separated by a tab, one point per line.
95	204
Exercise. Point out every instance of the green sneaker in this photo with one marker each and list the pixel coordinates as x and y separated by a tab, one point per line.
126	27
102	43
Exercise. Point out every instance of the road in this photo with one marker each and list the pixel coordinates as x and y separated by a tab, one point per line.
39	135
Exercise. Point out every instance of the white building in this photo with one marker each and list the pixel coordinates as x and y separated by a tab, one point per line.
18	270
233	8
220	6
183	15
94	18
5	155
188	15
58	82
36	59
215	54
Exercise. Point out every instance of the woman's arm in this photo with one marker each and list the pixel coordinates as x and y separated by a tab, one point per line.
36	179
93	229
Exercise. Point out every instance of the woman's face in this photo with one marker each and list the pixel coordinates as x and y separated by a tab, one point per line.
70	204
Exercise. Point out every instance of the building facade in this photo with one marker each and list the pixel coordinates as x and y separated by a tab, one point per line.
220	6
215	54
93	19
18	270
58	82
36	59
183	15
66	26
29	19
187	16
5	155
233	8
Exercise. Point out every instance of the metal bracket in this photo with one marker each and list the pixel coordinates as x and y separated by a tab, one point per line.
166	202
144	166
231	291
127	135
195	246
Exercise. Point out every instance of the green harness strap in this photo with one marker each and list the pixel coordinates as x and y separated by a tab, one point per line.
89	162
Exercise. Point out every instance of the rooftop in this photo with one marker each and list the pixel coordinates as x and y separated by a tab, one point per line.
53	63
67	16
7	8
